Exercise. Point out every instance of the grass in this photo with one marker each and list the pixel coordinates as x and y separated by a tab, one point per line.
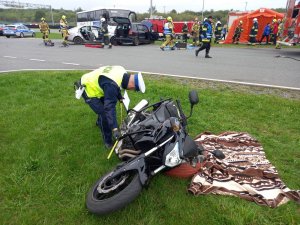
51	152
51	35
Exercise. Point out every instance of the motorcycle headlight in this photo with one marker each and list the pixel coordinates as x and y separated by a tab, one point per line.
173	158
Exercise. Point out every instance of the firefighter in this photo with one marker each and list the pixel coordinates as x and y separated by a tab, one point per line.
218	32
44	28
206	36
101	90
195	32
64	30
104	33
185	31
280	29
237	33
275	31
169	34
253	32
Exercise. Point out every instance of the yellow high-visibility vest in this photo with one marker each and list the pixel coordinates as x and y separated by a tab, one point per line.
90	80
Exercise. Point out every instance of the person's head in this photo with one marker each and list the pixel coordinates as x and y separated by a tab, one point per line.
43	19
219	22
274	21
102	19
185	22
133	82
63	17
255	20
196	19
241	21
210	18
279	20
169	19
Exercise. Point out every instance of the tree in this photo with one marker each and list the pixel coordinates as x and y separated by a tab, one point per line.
173	11
39	14
154	10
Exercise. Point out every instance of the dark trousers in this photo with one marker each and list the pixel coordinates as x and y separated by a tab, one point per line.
184	38
267	38
97	106
206	46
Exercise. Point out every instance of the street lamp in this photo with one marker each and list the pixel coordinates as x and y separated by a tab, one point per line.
202	8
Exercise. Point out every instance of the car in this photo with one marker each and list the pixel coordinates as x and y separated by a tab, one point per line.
1	29
17	30
135	33
83	34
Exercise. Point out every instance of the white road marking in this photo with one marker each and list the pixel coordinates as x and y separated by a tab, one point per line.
169	75
75	64
40	60
12	57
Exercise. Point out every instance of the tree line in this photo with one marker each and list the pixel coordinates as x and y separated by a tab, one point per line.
30	16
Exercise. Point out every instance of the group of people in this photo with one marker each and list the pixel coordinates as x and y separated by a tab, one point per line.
271	32
64	27
202	34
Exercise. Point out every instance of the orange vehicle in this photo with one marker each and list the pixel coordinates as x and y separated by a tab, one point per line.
291	27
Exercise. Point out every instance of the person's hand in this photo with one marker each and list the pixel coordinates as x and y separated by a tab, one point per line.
116	133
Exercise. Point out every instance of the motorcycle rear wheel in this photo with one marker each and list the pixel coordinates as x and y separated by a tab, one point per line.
116	192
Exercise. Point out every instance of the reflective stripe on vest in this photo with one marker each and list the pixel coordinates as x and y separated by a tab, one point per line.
167	30
90	80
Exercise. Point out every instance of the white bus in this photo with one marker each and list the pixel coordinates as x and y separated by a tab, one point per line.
92	17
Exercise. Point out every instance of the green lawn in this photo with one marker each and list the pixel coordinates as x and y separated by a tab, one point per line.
51	152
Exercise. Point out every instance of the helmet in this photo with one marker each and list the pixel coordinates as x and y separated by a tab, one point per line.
63	17
185	22
196	18
279	20
102	19
219	22
205	19
42	19
169	18
274	20
255	19
241	21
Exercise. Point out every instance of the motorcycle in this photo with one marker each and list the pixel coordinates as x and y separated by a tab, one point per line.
154	138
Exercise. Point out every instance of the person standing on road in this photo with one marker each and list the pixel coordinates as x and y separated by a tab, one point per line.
266	34
64	30
195	32
253	32
185	31
237	33
224	32
44	28
104	33
102	91
169	34
206	36
279	34
218	32
275	31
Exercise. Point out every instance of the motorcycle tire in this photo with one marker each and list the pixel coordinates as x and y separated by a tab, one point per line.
124	189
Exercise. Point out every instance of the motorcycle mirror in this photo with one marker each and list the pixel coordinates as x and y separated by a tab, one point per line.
193	97
218	154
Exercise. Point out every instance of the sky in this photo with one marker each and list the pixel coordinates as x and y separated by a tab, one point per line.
141	6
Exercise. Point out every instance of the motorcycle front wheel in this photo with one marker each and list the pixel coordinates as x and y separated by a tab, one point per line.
111	193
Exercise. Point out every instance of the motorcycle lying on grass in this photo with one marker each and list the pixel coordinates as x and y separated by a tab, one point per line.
154	139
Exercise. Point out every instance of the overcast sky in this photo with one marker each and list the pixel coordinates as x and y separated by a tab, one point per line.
162	5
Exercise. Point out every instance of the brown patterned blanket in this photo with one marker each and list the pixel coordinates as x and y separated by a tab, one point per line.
245	172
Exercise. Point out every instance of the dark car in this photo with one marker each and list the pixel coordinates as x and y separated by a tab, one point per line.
127	32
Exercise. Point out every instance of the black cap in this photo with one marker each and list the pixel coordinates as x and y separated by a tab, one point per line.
125	80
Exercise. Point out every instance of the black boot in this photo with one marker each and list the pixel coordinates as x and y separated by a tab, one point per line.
207	56
197	52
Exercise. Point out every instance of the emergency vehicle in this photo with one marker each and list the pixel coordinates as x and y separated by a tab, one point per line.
291	27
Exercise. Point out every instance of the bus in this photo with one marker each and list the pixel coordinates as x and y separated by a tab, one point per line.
92	17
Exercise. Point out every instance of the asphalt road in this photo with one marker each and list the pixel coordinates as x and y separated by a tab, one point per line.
249	64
